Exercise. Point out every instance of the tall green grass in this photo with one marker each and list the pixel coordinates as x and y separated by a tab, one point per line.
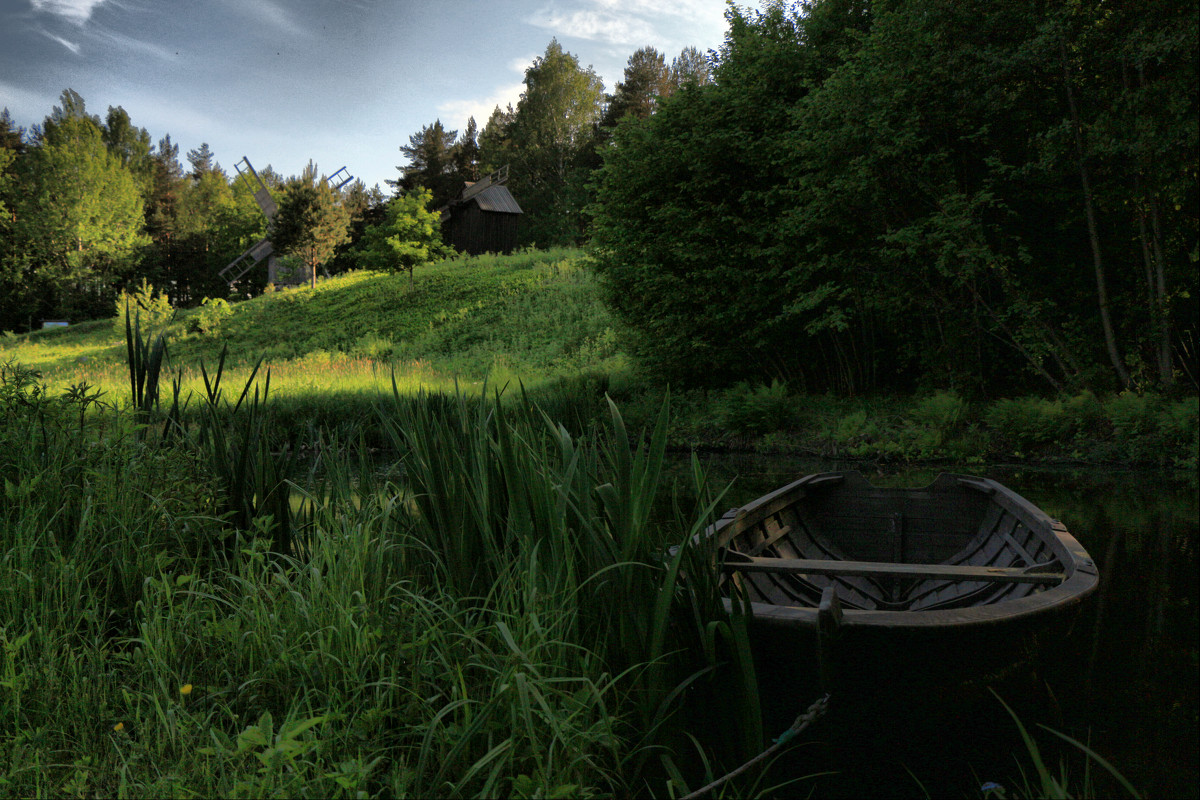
496	615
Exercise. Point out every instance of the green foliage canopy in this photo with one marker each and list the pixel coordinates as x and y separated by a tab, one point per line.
311	223
409	235
549	143
78	220
963	193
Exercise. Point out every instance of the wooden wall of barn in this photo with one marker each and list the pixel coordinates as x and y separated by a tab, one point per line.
476	231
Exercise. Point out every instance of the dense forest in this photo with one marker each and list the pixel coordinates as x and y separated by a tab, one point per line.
993	197
989	196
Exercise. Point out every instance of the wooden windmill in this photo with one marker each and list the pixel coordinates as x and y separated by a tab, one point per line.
263	250
483	218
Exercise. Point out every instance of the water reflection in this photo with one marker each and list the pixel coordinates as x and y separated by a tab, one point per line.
1124	679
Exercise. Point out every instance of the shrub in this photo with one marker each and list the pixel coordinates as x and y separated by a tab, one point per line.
1085	415
1148	428
935	421
152	311
758	410
212	312
1134	415
1023	422
944	412
372	346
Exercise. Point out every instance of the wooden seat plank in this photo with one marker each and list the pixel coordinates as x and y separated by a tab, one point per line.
880	569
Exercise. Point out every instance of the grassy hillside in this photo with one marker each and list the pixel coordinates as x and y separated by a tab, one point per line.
533	317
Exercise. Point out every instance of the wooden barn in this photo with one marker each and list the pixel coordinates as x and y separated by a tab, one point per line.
483	218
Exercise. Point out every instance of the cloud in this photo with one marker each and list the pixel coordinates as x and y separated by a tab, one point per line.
128	43
270	14
522	63
77	11
454	113
603	26
630	23
72	46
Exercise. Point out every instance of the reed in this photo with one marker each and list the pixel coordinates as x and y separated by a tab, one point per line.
359	656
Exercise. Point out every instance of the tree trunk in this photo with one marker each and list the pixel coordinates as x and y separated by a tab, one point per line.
1166	372
1152	257
1110	339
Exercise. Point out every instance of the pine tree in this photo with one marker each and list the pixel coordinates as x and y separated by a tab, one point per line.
647	81
202	161
466	154
431	164
311	224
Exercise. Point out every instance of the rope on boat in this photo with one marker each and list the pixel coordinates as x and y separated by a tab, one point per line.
814	712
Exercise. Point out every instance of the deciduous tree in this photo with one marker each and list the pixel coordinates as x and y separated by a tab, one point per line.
408	236
80	218
549	141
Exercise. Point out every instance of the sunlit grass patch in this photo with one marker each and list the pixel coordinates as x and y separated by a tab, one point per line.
526	318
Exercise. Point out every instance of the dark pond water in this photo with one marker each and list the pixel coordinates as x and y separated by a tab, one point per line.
1123	678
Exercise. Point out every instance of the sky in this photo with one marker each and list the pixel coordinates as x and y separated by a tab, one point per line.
340	82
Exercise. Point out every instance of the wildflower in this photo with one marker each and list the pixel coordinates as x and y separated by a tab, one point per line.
992	789
186	689
120	726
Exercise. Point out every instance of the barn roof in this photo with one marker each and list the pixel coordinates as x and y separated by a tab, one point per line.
497	198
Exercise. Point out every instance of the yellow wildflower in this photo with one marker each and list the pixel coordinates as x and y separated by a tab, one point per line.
120	726
186	689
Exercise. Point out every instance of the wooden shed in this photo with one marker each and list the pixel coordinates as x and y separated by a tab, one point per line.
482	220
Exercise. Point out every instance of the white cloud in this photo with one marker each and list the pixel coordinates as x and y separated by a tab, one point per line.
603	26
454	113
77	11
635	23
72	46
270	14
522	63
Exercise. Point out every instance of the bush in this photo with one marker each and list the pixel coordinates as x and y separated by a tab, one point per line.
1025	422
758	410
1148	428
212	312
1085	415
1134	415
944	412
151	311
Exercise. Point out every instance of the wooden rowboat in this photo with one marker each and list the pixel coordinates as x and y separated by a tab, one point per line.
833	554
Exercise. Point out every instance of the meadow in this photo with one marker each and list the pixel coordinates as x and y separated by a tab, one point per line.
403	543
533	324
502	621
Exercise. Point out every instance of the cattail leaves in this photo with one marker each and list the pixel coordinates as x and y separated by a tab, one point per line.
145	359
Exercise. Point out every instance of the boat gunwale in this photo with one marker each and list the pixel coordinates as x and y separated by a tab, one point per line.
1082	575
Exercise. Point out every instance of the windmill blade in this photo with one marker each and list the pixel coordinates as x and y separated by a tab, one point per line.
338	182
262	195
254	254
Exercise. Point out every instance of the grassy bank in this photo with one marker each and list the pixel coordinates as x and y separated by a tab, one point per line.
500	623
532	316
533	321
187	613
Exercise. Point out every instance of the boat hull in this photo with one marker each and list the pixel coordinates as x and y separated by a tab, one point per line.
954	579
